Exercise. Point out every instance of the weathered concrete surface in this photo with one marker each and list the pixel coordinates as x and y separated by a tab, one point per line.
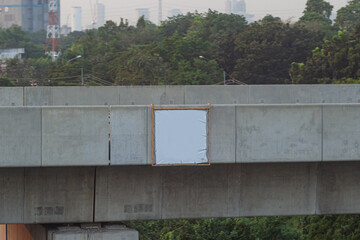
75	233
129	193
222	134
59	195
230	190
11	195
278	133
341	132
75	136
324	93
38	96
146	95
64	195
216	94
129	135
20	136
79	95
278	189
11	96
338	186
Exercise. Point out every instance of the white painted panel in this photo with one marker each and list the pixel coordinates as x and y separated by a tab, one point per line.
181	137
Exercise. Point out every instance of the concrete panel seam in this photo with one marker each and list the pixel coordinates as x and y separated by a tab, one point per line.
94	195
24	194
41	137
24	96
147	131
322	134
109	129
317	194
235	129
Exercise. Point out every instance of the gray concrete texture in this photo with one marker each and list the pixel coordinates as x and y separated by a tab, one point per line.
46	195
79	136
159	95
281	133
66	195
20	136
341	133
129	135
225	190
75	136
11	96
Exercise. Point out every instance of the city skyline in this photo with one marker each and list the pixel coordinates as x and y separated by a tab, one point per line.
115	9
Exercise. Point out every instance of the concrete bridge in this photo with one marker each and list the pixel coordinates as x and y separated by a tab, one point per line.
84	154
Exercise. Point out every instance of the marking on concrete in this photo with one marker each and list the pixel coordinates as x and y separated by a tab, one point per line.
138	208
49	211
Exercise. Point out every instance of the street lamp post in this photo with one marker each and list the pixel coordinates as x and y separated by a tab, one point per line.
224	73
81	69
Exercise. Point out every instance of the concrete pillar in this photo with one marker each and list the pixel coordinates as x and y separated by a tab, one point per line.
93	232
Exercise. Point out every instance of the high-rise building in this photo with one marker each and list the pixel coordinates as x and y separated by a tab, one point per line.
143	12
76	24
238	7
228	6
99	15
31	15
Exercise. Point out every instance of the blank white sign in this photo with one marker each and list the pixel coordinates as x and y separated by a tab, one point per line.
181	137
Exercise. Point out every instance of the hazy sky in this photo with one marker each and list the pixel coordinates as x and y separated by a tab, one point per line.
114	9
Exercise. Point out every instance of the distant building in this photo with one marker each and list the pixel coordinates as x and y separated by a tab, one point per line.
228	6
65	30
143	12
99	14
76	23
174	12
9	53
31	15
238	7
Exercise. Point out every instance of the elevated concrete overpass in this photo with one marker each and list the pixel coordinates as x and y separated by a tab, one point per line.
275	150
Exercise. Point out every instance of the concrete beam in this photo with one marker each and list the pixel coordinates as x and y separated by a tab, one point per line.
222	134
11	195
291	94
341	132
11	96
216	94
278	133
129	135
20	138
229	190
59	195
146	95
77	136
78	95
278	189
81	95
338	188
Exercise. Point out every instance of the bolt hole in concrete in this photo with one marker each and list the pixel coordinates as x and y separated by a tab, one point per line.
181	137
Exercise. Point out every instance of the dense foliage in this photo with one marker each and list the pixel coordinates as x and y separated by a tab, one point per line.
268	51
335	227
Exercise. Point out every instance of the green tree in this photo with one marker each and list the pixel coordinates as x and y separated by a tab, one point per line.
316	16
349	16
266	49
337	61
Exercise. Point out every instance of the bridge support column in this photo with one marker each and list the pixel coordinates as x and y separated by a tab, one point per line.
92	232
